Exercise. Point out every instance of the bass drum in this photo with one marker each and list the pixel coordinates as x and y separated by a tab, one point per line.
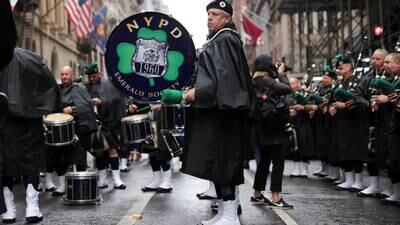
146	57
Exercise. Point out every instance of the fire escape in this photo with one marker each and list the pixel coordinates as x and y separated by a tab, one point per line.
342	25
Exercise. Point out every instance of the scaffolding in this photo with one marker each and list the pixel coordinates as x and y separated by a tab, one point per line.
325	28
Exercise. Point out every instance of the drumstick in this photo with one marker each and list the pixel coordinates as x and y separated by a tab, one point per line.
143	108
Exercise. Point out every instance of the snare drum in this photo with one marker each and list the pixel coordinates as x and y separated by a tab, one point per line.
82	188
173	117
59	129
136	129
172	142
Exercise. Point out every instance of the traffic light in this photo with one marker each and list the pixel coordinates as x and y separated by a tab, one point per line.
378	30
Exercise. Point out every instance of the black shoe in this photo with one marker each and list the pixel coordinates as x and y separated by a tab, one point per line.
164	190
104	186
120	187
361	194
9	221
354	189
33	219
281	204
388	202
291	175
51	189
126	170
147	189
320	174
382	196
56	193
330	180
260	200
338	188
203	196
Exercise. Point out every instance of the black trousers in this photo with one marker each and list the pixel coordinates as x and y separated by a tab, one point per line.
60	158
355	165
393	175
276	154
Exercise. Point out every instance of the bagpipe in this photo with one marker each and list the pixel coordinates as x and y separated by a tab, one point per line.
381	86
341	94
307	98
303	98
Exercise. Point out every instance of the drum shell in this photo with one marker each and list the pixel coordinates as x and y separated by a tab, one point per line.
82	188
173	117
151	145
136	131
59	133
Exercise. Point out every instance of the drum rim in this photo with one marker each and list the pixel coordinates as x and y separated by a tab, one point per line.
58	123
65	121
144	118
180	105
59	144
98	199
131	121
137	141
81	174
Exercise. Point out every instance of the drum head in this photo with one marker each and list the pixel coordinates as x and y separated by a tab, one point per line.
147	53
138	117
58	118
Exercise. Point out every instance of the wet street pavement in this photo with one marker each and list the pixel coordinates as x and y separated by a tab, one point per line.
315	202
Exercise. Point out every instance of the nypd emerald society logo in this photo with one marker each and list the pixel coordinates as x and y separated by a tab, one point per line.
147	53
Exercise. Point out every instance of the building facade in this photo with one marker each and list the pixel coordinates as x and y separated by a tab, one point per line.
43	27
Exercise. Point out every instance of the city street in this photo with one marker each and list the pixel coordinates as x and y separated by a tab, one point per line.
315	202
211	78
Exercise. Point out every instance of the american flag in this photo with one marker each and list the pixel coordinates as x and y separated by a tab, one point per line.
80	14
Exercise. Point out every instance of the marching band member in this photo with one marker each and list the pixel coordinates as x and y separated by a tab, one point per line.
110	107
160	160
380	120
392	66
217	129
8	41
301	119
76	101
33	92
351	122
322	123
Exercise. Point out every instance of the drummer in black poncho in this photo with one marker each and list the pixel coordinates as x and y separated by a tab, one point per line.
32	92
110	107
